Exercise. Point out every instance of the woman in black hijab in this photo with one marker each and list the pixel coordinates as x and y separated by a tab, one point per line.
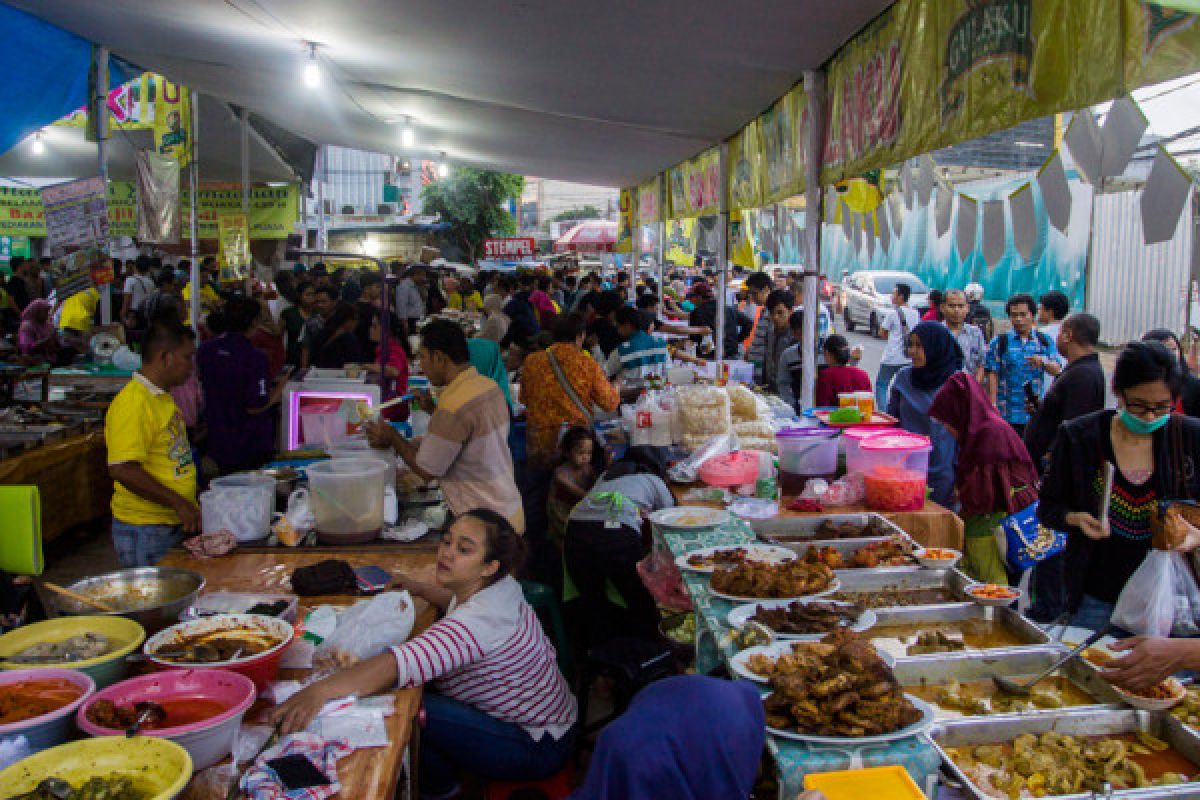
935	357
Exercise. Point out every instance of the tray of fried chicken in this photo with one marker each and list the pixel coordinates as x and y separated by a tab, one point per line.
869	553
754	580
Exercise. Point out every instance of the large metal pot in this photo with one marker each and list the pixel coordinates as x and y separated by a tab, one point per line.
152	596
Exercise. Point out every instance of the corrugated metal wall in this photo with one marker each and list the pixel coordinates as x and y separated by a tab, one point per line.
1133	287
355	178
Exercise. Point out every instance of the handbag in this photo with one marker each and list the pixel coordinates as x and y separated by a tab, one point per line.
1027	541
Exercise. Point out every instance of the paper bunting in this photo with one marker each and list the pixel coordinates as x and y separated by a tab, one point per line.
1056	194
925	180
994	233
1083	139
943	208
1024	221
964	235
885	233
1123	129
907	185
1164	198
897	209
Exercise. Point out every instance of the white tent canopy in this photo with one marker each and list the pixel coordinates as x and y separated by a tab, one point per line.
607	94
69	153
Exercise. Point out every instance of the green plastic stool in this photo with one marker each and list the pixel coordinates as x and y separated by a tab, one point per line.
541	598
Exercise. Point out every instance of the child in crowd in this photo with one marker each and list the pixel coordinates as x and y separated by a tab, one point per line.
580	461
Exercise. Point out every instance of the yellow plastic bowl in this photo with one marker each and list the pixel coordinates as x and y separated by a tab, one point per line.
158	767
125	634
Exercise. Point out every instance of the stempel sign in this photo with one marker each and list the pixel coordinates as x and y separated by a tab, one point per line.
518	247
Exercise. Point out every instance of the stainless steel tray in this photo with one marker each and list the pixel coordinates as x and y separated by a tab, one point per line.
1026	662
1029	633
901	578
1078	722
847	547
783	530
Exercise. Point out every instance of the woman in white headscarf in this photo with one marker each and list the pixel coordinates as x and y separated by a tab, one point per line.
496	322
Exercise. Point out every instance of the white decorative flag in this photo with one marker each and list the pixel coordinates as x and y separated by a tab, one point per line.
1083	138
1024	221
994	234
943	208
965	231
925	180
897	209
1056	194
1123	129
1164	198
885	233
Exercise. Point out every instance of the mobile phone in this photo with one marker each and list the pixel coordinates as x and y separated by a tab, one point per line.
372	580
297	772
1030	395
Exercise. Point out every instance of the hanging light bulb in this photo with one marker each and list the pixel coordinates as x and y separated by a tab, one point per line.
443	168
312	70
408	137
39	146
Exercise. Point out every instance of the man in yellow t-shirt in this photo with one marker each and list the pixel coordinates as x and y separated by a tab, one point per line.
149	457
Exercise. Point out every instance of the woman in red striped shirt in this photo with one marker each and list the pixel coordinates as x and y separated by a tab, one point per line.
499	708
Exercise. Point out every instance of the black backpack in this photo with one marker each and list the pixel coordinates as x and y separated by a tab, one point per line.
1002	345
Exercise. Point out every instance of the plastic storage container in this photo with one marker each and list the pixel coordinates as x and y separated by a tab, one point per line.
241	504
322	429
806	453
358	448
852	438
895	468
731	469
347	499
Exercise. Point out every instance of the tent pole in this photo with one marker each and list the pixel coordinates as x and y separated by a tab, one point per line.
635	249
722	257
194	182
662	240
814	87
100	106
245	120
320	179
777	211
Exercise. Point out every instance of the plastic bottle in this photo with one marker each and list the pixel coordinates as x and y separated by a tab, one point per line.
766	486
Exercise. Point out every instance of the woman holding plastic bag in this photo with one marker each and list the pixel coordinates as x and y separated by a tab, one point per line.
1154	456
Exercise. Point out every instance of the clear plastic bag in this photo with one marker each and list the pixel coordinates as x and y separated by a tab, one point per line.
661	578
368	628
703	448
1161	598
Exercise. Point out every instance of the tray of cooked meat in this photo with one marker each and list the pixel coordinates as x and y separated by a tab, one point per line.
880	552
754	580
902	586
933	631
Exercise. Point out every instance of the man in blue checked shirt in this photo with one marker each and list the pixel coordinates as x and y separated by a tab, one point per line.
1017	358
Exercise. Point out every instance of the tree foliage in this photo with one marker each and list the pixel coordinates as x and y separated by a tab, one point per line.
572	214
472	201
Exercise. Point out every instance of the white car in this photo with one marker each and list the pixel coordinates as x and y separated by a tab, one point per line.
868	296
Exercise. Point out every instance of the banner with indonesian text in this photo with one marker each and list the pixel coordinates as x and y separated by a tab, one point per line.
273	211
694	187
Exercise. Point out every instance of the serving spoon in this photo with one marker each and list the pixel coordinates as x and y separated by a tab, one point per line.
1009	686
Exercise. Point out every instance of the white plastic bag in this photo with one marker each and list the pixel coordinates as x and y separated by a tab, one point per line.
368	628
1161	598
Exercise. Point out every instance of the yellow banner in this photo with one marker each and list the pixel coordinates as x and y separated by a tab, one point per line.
694	186
233	240
173	123
743	238
130	106
1160	43
625	223
680	244
273	211
929	73
746	168
649	205
782	133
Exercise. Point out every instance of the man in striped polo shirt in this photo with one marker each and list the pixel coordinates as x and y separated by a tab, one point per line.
640	353
466	448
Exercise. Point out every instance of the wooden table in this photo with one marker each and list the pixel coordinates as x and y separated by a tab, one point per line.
72	480
932	526
369	774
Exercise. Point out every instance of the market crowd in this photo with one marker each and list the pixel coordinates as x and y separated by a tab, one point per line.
1014	408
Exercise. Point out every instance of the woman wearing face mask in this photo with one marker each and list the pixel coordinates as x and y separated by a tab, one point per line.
1154	454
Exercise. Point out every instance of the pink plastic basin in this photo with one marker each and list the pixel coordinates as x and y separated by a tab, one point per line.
207	741
57	726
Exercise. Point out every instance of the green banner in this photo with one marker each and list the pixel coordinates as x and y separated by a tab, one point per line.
273	211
